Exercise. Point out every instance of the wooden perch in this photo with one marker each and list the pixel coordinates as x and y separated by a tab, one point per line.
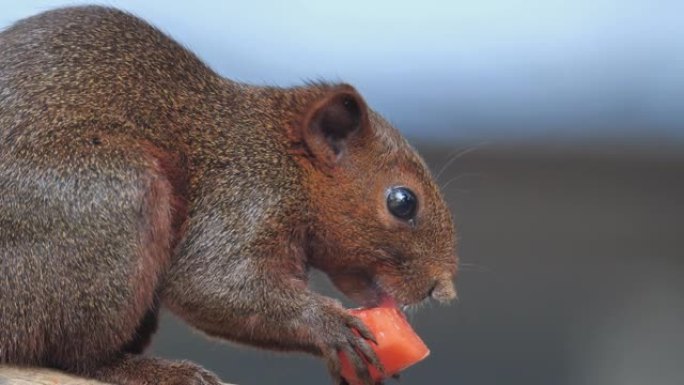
39	376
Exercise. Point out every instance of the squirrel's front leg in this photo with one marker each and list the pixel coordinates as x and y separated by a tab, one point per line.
261	307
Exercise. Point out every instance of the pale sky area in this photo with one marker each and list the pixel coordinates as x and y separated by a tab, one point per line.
471	70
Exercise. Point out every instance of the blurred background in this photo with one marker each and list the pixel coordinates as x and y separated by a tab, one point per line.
557	131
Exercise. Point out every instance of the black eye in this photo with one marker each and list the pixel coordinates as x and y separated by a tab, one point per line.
402	203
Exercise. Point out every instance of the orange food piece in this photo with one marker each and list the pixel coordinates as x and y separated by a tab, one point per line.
398	345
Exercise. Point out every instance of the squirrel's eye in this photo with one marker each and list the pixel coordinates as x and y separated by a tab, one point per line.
402	202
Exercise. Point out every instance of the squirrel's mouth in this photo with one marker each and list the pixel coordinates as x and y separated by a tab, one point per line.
364	289
368	291
383	298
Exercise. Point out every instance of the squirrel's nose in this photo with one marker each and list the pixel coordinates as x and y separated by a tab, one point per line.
443	290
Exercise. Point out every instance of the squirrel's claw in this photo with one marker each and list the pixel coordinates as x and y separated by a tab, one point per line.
359	364
356	323
338	332
368	354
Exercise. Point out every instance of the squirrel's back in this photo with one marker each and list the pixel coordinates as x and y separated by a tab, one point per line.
90	61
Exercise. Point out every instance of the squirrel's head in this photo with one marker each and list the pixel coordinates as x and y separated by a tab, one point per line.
381	229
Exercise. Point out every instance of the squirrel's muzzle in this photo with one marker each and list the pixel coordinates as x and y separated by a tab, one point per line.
444	290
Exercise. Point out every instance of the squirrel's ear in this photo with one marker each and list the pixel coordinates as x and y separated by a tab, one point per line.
331	123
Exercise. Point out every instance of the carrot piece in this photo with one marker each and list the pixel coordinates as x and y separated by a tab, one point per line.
398	345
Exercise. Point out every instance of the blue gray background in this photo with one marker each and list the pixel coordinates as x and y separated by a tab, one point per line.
559	129
492	69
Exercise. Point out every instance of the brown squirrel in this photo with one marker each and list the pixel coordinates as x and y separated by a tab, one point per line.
133	176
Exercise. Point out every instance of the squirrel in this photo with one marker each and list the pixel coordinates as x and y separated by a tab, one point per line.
132	176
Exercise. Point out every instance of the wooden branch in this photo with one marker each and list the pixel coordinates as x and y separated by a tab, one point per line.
10	375
39	376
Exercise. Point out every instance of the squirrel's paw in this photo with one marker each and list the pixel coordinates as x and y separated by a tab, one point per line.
337	331
135	370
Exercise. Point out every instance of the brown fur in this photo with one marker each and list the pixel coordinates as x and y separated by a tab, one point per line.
132	175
